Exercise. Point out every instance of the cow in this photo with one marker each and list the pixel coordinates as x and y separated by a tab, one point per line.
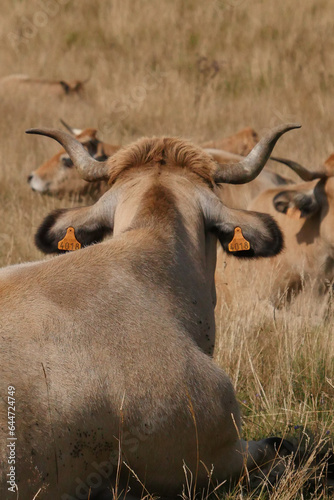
108	349
240	143
57	176
305	212
54	88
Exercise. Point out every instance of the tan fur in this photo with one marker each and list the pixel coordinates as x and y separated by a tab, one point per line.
169	150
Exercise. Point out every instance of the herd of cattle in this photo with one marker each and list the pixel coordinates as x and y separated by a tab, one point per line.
108	349
304	210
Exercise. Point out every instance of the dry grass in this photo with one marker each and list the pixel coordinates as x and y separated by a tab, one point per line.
199	70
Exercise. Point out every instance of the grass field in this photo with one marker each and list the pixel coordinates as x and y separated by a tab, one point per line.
200	70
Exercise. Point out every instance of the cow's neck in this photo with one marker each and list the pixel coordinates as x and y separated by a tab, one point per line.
177	257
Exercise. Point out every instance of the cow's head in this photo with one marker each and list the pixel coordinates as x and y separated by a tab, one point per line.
58	176
167	185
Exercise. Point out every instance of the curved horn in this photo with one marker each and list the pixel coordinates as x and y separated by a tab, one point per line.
306	175
89	169
247	169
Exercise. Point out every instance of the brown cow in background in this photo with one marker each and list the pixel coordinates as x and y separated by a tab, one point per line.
58	177
56	88
240	143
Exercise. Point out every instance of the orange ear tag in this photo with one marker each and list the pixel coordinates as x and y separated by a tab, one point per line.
238	243
69	243
293	213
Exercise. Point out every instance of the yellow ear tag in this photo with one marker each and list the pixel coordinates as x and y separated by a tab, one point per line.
69	243
238	242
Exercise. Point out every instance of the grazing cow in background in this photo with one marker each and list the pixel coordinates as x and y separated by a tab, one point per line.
305	212
57	176
23	83
110	347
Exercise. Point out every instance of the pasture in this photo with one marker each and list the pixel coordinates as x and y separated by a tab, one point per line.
197	70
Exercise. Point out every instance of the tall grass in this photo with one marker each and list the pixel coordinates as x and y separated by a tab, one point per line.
199	70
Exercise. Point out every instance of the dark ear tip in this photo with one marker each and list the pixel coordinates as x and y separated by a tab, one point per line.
44	240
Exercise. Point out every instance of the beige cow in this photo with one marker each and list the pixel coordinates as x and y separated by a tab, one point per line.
57	176
305	212
110	346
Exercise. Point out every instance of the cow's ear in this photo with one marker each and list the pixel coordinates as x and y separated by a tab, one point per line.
242	233
90	224
296	204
